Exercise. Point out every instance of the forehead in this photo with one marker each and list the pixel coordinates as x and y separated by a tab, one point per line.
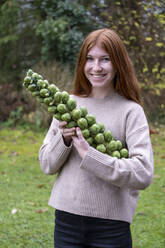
97	51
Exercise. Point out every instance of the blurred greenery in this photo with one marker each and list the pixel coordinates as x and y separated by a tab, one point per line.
50	32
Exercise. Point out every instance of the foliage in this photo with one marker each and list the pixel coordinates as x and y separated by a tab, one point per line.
141	27
35	31
15	117
18	44
63	29
25	218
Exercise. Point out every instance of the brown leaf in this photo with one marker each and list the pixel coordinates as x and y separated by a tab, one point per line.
140	213
43	210
41	185
153	131
163	156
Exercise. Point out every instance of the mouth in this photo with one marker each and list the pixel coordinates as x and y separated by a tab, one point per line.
98	75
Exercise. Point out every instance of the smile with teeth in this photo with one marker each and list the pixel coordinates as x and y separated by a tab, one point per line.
98	75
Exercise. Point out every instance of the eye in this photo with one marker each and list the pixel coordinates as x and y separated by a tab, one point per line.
89	58
106	59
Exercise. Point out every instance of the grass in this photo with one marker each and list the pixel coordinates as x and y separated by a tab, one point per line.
26	190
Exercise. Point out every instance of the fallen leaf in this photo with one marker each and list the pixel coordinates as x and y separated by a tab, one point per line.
163	156
41	185
153	131
43	210
140	213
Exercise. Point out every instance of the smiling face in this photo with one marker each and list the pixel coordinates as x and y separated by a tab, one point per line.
99	69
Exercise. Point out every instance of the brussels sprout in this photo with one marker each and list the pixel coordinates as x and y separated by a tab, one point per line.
119	144
102	127
48	100
108	136
124	153
27	80
44	84
99	138
57	97
90	140
116	154
53	89
84	111
35	76
91	119
35	93
40	77
66	117
94	129
29	72
52	109
82	123
112	146
71	124
65	96
32	87
101	148
86	133
71	104
44	93
61	108
58	116
76	114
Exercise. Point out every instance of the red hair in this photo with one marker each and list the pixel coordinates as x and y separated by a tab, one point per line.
125	82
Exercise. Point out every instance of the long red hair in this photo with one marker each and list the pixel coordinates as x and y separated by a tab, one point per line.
125	82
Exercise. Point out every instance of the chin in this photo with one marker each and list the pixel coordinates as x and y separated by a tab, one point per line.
99	84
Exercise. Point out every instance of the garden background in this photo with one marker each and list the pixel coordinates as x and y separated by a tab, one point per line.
46	36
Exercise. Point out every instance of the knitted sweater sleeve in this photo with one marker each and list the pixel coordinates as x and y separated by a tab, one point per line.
135	172
53	153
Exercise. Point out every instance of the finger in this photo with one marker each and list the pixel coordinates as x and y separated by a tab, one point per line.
69	129
75	140
68	134
62	124
79	133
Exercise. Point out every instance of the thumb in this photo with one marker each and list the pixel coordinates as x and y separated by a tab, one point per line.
79	133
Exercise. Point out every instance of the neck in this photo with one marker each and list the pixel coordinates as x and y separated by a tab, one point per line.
101	93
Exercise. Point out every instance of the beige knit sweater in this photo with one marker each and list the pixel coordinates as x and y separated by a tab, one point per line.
101	185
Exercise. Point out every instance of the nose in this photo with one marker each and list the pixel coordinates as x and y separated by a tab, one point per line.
97	66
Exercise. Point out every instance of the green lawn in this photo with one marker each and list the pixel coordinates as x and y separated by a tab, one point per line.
25	218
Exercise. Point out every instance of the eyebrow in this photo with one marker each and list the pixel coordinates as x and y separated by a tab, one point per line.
103	56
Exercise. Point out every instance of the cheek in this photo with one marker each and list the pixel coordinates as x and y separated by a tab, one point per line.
86	68
111	70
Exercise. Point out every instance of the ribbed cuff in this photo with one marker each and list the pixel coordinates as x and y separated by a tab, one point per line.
58	142
96	161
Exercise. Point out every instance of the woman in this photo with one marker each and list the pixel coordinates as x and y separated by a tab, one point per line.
95	195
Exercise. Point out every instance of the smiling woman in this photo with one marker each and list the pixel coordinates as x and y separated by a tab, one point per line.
95	194
99	71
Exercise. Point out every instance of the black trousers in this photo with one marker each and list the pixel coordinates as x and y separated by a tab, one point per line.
75	231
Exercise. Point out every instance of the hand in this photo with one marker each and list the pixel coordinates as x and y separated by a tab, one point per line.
80	143
67	133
